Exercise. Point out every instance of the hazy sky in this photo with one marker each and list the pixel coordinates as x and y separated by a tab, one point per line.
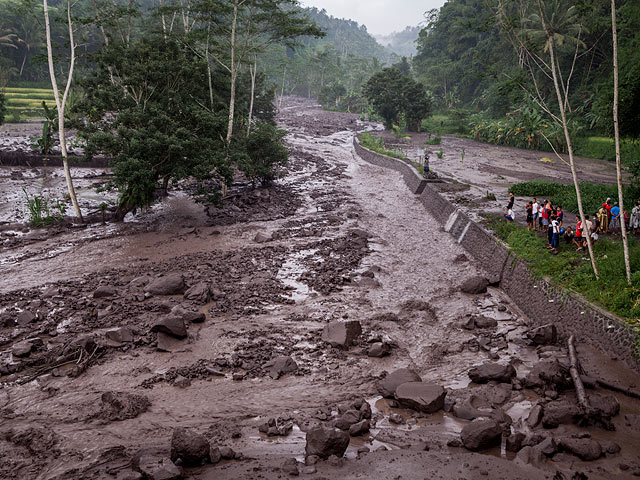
380	16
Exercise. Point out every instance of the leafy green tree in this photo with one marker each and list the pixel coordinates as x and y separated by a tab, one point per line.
416	104
264	153
385	92
152	119
394	94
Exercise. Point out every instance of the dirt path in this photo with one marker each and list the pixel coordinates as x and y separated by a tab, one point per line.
337	240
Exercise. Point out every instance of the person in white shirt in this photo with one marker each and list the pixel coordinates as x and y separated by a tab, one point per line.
536	211
509	215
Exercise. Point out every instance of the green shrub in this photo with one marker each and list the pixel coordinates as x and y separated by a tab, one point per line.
376	144
593	195
436	140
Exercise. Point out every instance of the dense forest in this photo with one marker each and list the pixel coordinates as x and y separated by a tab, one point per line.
467	56
401	43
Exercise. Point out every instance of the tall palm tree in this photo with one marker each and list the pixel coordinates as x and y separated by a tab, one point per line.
7	38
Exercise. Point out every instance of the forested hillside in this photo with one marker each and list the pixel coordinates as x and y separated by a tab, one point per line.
401	43
333	68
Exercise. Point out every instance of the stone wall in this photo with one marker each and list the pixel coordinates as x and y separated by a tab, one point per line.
539	300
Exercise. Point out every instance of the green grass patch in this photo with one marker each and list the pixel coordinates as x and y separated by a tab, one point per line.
572	270
593	194
604	148
377	145
435	140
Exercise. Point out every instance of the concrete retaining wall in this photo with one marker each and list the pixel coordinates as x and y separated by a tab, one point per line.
540	301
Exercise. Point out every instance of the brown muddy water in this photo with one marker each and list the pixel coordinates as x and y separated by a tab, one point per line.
337	239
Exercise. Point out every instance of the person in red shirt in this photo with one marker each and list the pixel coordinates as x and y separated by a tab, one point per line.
577	239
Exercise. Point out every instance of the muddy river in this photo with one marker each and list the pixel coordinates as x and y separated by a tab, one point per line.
113	336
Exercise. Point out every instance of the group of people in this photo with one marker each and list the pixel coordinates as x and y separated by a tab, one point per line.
546	217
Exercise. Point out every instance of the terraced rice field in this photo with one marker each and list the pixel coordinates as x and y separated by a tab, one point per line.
23	103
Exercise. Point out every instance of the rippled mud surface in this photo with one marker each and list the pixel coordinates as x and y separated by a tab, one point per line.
337	239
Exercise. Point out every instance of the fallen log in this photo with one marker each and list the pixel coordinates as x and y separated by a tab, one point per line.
583	401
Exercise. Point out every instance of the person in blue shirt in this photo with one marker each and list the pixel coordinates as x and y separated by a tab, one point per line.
615	219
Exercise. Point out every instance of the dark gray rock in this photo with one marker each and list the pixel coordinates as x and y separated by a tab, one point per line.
559	412
423	397
359	428
324	442
514	441
347	419
548	446
475	285
198	293
290	465
154	468
214	454
171	325
535	416
187	315
469	323
342	334
583	448
492	372
480	434
549	372
22	349
189	446
170	284
104	291
379	349
280	366
606	405
25	317
388	385
120	335
544	335
227	453
485	322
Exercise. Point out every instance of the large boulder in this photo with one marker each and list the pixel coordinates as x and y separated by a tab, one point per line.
560	412
104	291
491	371
584	448
324	442
423	397
475	285
171	325
170	284
22	349
187	315
481	433
189	446
545	335
198	293
606	405
389	384
280	366
342	334
120	335
549	372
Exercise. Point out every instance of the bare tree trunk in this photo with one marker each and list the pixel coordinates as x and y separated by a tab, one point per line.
206	56
60	104
616	127
253	69
234	72
567	136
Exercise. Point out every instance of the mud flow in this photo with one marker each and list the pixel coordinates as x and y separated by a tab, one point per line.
325	327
